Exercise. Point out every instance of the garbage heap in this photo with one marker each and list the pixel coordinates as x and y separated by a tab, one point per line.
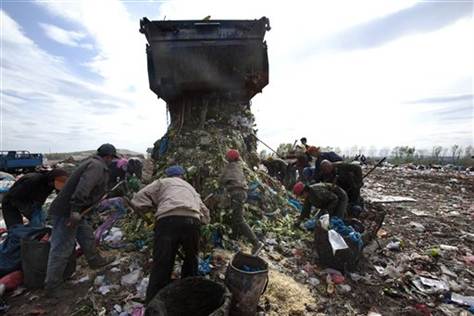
207	72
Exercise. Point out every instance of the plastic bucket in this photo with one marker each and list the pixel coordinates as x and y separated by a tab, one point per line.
194	296
34	262
247	279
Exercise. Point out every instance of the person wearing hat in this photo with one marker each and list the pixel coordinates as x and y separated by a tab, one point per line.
327	197
234	182
84	188
27	196
179	213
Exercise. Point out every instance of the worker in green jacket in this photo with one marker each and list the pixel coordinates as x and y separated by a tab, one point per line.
327	197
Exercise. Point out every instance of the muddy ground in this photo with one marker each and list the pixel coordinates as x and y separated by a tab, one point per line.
432	237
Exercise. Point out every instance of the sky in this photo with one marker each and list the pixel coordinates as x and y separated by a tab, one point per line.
369	73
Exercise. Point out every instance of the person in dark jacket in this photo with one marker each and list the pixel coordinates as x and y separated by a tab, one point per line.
315	152
276	167
27	196
349	177
327	197
84	188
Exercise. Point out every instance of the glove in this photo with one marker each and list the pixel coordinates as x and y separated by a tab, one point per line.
74	219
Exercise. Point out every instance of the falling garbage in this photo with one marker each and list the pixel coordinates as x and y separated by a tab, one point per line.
415	264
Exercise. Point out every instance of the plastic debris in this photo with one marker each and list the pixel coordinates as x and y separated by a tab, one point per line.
296	204
392	199
462	300
138	311
131	278
324	221
104	289
427	285
314	281
99	280
344	288
468	259
12	280
310	224
114	235
393	245
448	248
204	266
336	241
417	226
142	287
118	308
344	230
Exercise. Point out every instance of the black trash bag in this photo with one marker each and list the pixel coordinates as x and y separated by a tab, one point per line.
344	259
194	296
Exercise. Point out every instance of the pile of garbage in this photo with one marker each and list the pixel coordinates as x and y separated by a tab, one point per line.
201	151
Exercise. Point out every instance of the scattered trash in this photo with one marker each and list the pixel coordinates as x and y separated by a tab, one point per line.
392	199
344	288
468	259
142	287
448	248
393	245
336	241
417	226
131	278
81	280
104	289
462	300
314	281
431	286
310	224
204	266
99	280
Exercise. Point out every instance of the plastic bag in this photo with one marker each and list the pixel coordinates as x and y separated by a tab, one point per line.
336	241
324	220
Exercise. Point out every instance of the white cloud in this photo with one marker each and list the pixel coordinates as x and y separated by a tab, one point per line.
47	106
340	99
65	37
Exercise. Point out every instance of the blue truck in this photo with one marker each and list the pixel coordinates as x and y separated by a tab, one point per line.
19	160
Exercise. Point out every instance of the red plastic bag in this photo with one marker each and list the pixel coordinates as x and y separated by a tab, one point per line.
12	280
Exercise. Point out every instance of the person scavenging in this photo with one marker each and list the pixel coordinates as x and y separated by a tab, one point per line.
234	182
27	196
84	188
179	213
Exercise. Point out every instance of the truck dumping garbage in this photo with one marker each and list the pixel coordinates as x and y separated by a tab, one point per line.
391	280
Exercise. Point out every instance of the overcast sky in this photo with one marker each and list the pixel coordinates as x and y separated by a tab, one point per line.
342	73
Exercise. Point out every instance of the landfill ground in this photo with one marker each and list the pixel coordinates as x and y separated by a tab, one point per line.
431	237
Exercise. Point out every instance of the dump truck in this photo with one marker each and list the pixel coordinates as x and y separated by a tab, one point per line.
206	58
19	160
